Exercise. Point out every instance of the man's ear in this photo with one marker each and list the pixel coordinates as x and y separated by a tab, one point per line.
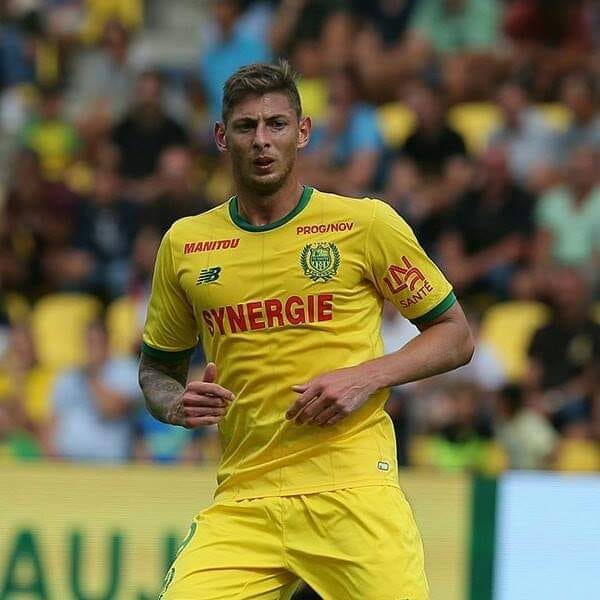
304	132
220	137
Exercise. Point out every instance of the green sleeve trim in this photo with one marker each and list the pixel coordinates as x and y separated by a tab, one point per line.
165	355
436	311
241	222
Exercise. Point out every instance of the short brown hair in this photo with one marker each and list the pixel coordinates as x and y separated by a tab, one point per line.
261	78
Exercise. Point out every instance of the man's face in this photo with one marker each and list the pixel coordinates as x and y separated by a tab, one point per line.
262	135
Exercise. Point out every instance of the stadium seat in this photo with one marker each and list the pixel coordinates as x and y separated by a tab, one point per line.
396	122
508	328
122	324
475	121
556	115
577	455
58	323
313	93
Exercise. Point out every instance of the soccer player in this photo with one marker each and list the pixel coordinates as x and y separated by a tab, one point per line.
284	286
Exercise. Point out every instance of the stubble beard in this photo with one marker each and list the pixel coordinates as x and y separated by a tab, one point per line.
262	186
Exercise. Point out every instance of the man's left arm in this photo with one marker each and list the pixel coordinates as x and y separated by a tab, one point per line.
403	274
443	345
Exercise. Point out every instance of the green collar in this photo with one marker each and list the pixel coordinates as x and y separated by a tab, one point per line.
241	222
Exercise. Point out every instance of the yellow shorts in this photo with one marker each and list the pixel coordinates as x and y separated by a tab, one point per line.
350	544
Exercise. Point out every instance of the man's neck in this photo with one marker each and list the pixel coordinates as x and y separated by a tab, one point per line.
263	209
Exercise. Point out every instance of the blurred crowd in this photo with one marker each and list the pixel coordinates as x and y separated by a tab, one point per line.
477	120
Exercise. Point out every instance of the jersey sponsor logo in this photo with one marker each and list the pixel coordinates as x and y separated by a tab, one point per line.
402	277
320	261
269	314
383	466
210	245
407	276
208	275
324	228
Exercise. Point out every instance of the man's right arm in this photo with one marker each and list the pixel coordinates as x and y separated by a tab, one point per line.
171	400
162	383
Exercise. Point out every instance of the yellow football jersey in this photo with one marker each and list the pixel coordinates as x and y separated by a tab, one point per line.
279	304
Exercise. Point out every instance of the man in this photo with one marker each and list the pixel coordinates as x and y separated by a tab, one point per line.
285	285
93	406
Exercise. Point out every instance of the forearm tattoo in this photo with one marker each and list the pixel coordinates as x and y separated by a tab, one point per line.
161	383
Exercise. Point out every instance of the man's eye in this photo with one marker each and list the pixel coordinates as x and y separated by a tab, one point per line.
278	124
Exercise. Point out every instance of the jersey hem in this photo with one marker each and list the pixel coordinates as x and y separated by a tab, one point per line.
166	355
436	311
330	487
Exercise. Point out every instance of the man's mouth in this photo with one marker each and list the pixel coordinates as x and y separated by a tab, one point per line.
263	162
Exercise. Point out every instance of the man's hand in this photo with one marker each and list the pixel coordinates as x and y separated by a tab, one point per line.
330	397
201	403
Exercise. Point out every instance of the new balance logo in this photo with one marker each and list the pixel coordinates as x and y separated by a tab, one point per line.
208	275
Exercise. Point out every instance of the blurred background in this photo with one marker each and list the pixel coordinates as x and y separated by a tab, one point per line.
477	120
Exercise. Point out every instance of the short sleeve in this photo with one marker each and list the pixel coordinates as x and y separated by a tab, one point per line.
401	271
171	330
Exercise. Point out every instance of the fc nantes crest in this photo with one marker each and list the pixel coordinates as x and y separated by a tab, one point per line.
320	261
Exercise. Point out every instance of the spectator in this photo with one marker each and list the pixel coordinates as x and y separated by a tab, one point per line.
457	25
17	59
320	27
162	443
24	391
526	435
145	132
101	78
528	142
35	227
345	150
93	405
578	95
459	433
548	23
383	51
565	355
433	142
568	217
105	227
228	50
488	233
50	136
178	197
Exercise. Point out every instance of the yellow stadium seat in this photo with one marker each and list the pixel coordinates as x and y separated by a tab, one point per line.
128	13
508	328
556	115
123	328
313	94
475	121
396	122
58	323
577	455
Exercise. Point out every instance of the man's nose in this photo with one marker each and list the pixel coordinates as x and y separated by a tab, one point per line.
261	138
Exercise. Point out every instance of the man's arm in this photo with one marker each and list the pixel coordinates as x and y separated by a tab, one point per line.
171	400
443	345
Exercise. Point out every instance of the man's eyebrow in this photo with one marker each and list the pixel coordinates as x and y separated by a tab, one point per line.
241	120
248	119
